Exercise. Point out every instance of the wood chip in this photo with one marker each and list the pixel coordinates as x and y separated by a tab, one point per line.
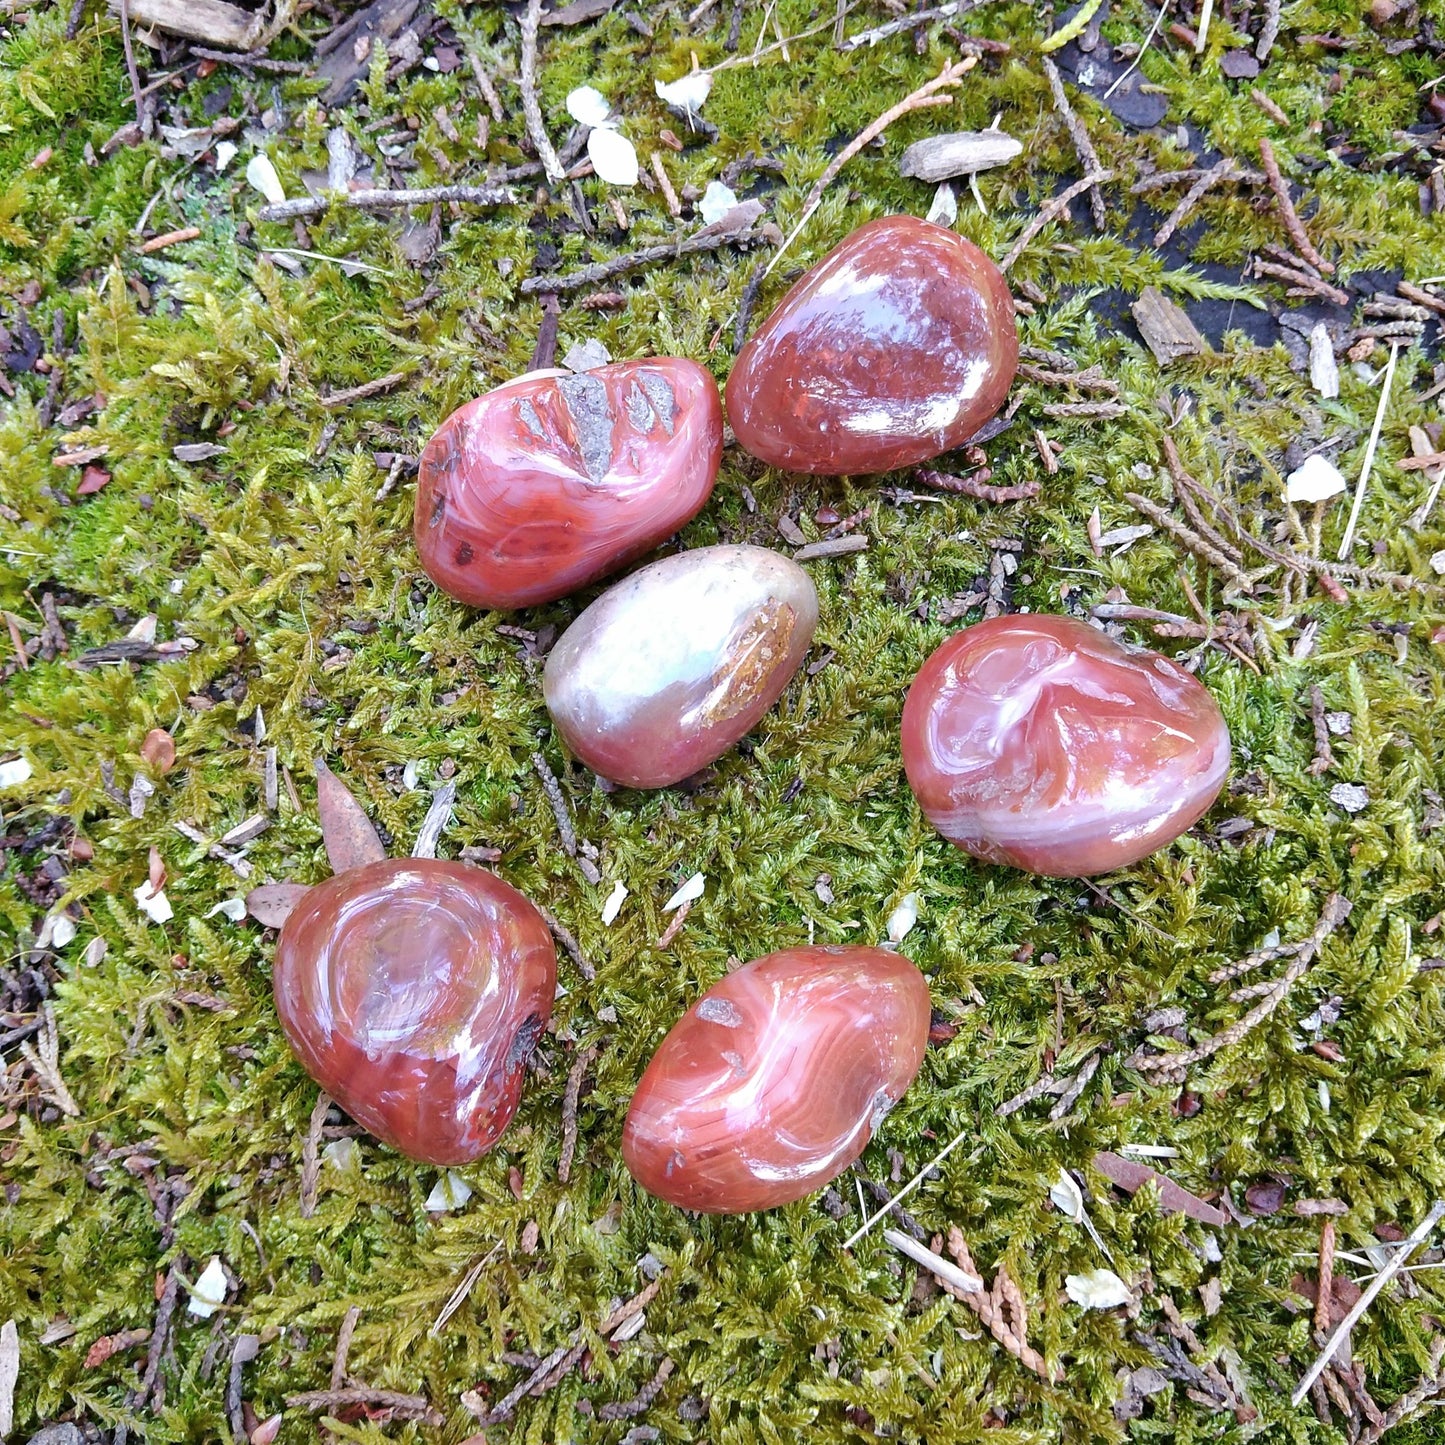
838	547
1166	328
209	21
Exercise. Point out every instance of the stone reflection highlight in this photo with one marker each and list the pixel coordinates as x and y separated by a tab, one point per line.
1042	743
414	991
556	479
773	1082
897	346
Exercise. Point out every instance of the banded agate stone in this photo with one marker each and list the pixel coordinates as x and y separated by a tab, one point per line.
897	346
414	991
664	672
1042	743
773	1082
556	479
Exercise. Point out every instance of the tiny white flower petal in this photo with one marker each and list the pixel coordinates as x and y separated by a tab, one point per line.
1100	1289
1068	1198
450	1192
15	772
209	1291
716	202
1317	479
614	903
62	931
689	92
225	154
587	105
232	908
689	891
612	157
902	919
944	210
262	175
409	775
155	905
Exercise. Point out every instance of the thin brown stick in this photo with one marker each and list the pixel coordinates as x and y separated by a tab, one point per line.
1326	1283
375	387
642	1400
1106	410
1288	214
1303	280
417	1406
565	937
674	928
1197	544
570	1098
664	181
170	238
558	802
969	486
1051	212
1431	1385
1000	1310
386	200
552	168
1269	107
1336	910
1191	198
1324	759
1044	1084
343	1346
922	98
635	260
1079	380
311	1155
1083	146
130	67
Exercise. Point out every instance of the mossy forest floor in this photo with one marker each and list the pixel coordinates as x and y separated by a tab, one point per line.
151	1116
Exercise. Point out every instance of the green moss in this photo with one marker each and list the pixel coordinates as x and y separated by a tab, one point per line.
276	553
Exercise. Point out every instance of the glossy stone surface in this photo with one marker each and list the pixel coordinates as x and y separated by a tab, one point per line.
897	346
664	672
556	479
773	1082
414	991
1040	742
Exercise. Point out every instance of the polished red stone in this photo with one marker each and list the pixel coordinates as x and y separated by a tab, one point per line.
414	991
668	669
555	479
1040	742
773	1082
897	346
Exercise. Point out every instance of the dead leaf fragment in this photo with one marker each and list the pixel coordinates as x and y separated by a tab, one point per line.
350	838
159	750
1131	1177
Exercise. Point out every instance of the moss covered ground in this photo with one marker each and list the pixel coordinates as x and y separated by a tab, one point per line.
169	1123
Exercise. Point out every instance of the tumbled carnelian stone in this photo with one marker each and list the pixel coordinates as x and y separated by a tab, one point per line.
897	346
1041	742
414	991
773	1082
556	479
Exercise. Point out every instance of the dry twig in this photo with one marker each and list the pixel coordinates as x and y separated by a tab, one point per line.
569	1108
558	802
972	486
374	387
407	1407
1001	1310
531	106
386	200
1223	170
642	1400
1172	1067
1290	216
311	1155
1055	208
602	271
1083	146
1324	759
1386	385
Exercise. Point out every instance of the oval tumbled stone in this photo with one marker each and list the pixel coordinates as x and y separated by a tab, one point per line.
556	479
897	346
773	1082
1042	743
664	672
414	991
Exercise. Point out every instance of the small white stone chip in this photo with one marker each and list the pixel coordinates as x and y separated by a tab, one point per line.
1316	479
15	772
154	903
1100	1289
614	903
262	175
688	893
449	1193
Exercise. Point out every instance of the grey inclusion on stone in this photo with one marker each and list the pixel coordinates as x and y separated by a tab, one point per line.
530	419
660	394
640	415
586	401
719	1011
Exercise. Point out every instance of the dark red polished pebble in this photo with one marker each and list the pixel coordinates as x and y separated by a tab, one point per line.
414	991
773	1082
1042	743
897	346
556	479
